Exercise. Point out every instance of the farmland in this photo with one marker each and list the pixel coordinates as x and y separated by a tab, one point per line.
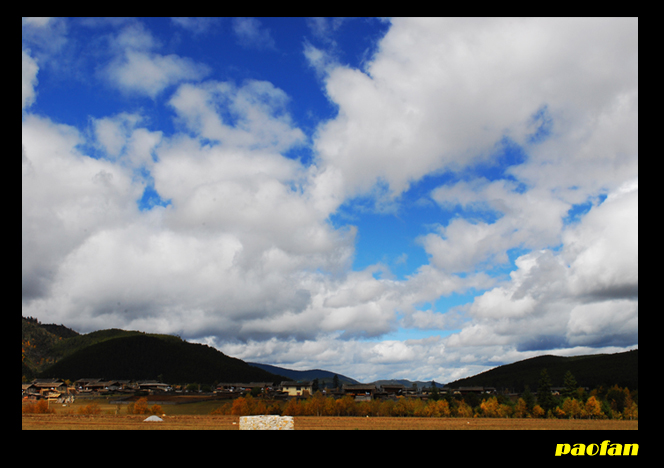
63	421
195	416
194	422
391	423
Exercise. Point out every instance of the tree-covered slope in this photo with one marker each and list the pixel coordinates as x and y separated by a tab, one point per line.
590	371
38	342
141	357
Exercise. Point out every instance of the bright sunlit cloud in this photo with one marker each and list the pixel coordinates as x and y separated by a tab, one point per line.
403	198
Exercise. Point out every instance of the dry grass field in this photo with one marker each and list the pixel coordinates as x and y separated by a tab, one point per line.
333	423
125	422
63	421
196	415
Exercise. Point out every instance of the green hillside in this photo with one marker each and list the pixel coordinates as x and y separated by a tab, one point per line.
76	343
590	371
46	343
143	357
38	343
51	350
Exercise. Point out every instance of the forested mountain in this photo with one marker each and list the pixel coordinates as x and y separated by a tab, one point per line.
128	355
590	371
38	342
169	360
50	350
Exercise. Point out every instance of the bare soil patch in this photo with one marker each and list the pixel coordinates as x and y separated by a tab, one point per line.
349	423
126	422
208	422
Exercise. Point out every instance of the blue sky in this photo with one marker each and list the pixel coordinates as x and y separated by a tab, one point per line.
380	197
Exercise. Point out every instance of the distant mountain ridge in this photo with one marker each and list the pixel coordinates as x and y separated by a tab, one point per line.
408	383
323	376
57	351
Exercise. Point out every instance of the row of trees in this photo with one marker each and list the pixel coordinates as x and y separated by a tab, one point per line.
43	407
138	407
573	403
491	407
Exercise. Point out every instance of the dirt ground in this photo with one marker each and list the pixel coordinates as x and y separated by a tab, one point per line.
186	422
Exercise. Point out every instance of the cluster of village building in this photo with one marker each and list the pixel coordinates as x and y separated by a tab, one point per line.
58	389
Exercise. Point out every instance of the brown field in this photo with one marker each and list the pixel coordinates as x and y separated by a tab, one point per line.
126	422
62	421
194	413
346	423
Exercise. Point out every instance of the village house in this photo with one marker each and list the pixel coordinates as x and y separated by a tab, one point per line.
265	387
297	388
153	386
476	390
45	388
393	389
85	385
29	390
102	386
361	392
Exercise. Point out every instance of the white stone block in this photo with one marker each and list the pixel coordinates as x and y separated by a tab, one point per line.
267	423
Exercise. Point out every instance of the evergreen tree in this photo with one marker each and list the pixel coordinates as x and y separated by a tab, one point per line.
544	397
616	398
434	391
570	390
528	398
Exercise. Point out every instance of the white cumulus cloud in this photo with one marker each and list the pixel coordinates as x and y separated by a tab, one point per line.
246	254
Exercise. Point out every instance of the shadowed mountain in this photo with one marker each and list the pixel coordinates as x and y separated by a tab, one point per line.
590	371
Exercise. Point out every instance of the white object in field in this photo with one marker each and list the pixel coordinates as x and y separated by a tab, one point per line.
267	423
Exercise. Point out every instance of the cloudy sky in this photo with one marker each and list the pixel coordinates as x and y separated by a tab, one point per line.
383	198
